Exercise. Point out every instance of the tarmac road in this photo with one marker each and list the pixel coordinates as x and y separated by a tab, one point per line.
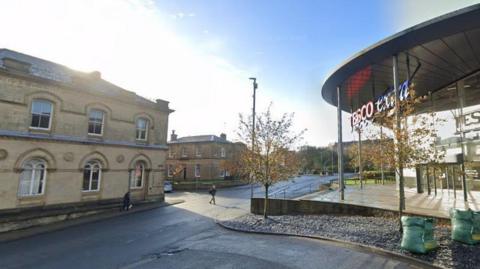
182	236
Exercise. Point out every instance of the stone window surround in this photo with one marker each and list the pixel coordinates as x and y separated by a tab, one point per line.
102	129
169	170
92	164
197	170
34	169
52	111
133	178
137	129
198	151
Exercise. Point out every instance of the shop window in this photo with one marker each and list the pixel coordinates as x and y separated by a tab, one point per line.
41	114
33	178
92	173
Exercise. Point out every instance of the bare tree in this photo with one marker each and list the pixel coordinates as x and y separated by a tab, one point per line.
271	159
407	146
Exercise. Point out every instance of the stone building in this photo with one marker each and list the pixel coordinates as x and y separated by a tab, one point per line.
201	157
70	137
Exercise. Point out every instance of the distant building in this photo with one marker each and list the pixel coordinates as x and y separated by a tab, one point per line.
72	137
201	157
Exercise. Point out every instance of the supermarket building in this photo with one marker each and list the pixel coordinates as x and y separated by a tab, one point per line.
441	57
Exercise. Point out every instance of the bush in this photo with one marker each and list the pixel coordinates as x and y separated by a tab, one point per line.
378	174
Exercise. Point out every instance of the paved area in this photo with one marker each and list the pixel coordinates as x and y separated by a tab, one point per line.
181	236
386	196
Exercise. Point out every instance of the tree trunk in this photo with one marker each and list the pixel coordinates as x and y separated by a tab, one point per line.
265	204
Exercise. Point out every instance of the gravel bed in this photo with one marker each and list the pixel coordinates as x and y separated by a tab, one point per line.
373	231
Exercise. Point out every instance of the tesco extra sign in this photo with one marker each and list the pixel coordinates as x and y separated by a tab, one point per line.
383	103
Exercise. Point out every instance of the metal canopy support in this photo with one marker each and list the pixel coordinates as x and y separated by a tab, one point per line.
340	145
360	166
461	98
398	126
381	152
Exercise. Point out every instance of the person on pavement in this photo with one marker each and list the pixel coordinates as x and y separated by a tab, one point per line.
126	201
212	192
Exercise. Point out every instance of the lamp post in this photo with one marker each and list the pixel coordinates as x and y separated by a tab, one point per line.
255	86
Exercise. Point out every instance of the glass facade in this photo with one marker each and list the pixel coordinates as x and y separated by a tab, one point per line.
458	140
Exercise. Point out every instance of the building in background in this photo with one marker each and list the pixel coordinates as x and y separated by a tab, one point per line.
202	157
69	137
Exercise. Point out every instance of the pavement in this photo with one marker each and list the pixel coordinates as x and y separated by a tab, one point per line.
386	196
183	236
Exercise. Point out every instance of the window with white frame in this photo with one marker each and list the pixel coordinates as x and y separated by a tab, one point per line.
137	175
41	114
222	172
170	170
222	152
198	151
92	174
197	170
33	178
142	129
171	153
184	152
95	122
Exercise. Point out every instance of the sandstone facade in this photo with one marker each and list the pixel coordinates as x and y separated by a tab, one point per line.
201	157
72	137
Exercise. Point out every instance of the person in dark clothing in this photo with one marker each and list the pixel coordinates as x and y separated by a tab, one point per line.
126	201
212	192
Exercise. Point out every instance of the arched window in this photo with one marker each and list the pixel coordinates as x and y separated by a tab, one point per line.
137	175
92	174
33	177
142	129
41	114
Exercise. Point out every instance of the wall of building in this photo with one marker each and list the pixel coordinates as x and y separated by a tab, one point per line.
67	146
70	111
210	159
64	179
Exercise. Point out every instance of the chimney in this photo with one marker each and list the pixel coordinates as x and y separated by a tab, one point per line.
223	136
173	136
95	75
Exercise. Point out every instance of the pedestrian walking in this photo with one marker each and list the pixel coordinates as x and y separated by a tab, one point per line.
126	201
212	192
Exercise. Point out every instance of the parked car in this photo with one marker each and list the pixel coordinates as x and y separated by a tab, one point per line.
167	186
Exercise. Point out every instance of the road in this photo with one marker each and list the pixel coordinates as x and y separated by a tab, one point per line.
183	236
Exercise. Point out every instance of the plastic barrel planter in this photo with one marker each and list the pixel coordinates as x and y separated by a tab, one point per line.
465	226
418	235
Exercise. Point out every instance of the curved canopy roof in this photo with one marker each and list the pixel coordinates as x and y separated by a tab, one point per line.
446	49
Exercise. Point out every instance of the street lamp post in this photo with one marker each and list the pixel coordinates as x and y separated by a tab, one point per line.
255	86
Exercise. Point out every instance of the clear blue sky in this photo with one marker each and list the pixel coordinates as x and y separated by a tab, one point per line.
291	46
199	54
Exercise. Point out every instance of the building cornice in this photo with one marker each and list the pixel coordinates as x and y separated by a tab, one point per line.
77	140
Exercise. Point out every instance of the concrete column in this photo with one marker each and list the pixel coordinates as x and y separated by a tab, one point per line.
340	145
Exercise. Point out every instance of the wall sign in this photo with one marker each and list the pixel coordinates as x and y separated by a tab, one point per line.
383	103
471	122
